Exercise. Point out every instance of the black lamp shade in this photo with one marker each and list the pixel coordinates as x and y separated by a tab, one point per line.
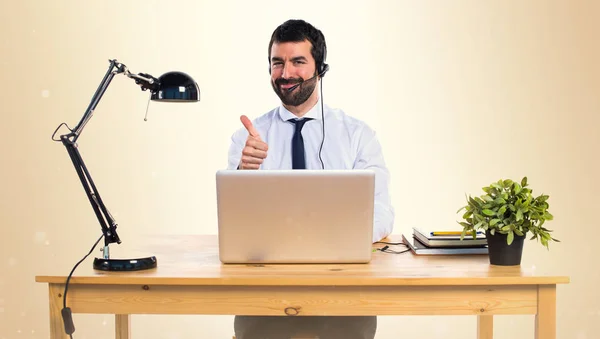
176	87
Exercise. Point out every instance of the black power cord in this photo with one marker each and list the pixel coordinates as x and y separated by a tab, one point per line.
66	311
390	243
386	248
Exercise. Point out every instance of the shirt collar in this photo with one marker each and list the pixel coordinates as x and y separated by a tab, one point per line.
314	112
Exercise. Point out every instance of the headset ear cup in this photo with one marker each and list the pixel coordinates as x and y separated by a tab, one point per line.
323	69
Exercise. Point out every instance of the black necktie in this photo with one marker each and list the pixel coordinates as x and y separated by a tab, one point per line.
298	161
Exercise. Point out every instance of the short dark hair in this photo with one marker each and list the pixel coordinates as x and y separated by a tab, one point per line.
296	30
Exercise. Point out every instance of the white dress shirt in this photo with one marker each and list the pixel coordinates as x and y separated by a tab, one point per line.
349	144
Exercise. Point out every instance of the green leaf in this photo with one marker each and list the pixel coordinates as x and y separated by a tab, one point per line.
464	224
488	212
517	188
494	222
467	215
499	201
524	182
519	214
502	210
492	231
527	201
510	237
487	198
508	182
548	216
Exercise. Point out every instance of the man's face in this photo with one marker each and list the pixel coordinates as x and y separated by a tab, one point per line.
291	63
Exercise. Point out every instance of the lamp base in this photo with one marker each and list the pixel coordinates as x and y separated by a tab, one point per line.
137	264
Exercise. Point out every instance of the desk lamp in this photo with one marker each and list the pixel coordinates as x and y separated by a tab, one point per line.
170	87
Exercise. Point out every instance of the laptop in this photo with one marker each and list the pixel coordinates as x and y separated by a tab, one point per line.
295	216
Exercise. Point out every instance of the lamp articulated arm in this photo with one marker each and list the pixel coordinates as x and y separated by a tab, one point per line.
107	222
170	87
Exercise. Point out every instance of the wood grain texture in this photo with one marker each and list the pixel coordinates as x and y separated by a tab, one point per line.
190	279
122	326
485	327
304	300
545	319
57	329
194	260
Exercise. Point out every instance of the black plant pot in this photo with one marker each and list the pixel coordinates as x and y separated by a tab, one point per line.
501	253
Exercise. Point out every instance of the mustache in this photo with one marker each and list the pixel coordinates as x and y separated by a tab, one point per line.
291	81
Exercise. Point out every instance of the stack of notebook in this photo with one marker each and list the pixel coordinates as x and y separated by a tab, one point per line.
445	242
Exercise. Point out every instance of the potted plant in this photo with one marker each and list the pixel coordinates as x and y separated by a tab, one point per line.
506	213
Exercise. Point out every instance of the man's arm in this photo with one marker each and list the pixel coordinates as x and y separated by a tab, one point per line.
370	157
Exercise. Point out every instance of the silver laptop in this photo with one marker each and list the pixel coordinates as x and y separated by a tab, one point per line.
295	216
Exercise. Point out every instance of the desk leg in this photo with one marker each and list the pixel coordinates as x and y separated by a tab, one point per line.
57	327
545	319
485	327
122	326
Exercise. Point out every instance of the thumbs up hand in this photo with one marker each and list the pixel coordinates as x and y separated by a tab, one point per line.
255	150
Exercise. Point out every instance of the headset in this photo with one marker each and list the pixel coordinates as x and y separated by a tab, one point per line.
324	68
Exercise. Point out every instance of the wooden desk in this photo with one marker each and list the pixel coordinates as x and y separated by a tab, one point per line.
191	280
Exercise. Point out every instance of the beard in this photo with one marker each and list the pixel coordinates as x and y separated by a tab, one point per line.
296	97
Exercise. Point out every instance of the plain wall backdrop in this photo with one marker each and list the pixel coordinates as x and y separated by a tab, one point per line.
461	93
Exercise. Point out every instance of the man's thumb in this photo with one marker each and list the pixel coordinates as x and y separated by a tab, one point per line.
249	127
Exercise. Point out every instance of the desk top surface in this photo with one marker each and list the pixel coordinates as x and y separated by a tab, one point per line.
194	260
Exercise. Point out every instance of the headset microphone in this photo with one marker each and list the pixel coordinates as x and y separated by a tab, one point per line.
326	68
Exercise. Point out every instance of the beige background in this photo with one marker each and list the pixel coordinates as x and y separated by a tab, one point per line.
462	93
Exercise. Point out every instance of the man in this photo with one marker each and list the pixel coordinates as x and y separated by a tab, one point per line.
303	133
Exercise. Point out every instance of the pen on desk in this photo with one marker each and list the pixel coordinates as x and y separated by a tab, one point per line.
450	233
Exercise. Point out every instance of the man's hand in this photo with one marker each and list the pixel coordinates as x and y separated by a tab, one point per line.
255	150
